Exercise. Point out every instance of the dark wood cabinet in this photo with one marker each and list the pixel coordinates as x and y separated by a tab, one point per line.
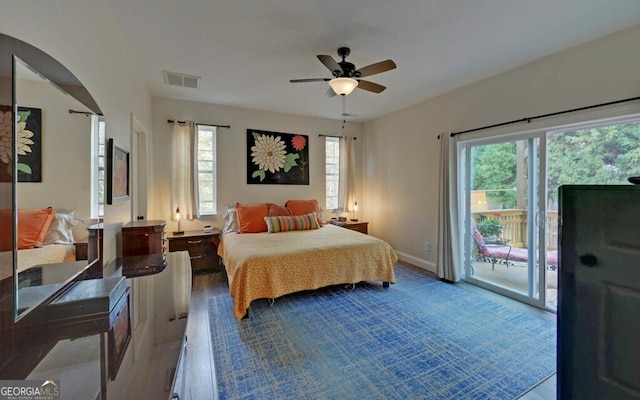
356	226
202	248
95	249
143	238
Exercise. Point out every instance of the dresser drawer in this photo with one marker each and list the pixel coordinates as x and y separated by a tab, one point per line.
202	250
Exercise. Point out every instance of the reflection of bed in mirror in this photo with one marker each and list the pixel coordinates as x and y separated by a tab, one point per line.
29	258
46	255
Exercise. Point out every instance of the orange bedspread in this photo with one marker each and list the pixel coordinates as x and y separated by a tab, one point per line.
270	265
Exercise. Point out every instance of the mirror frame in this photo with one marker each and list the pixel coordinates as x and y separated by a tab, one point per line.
59	76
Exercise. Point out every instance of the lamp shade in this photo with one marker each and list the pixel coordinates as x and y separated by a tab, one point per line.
343	86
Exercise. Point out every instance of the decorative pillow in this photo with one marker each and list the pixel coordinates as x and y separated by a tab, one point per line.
61	229
230	220
302	207
291	223
32	226
276	210
251	217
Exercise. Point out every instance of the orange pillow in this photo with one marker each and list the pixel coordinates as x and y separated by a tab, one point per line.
32	226
251	217
278	211
302	207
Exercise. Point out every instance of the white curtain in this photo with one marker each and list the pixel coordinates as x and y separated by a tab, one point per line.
183	177
448	261
347	193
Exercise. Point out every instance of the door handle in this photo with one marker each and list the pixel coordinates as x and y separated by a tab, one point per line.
588	259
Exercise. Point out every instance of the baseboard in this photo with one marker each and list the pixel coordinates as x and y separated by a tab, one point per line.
418	262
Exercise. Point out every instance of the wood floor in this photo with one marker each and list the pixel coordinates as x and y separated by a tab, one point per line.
200	372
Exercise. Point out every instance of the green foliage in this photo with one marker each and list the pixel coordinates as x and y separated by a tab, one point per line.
602	155
494	169
490	227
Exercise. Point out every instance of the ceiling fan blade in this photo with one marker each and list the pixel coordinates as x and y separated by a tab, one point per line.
376	68
331	64
310	80
370	86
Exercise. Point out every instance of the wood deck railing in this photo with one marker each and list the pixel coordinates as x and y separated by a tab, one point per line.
514	225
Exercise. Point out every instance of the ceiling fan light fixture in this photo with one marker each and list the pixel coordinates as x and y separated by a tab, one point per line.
343	86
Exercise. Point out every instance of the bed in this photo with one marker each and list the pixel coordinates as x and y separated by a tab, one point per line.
44	237
270	265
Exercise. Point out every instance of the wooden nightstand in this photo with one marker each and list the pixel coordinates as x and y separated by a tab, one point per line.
359	226
202	248
82	250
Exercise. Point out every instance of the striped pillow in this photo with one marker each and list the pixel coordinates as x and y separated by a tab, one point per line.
291	223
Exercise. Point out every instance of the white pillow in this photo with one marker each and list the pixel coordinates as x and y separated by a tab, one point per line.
61	229
230	220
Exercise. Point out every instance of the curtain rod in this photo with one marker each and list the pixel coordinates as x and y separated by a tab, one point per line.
87	113
529	119
198	123
335	136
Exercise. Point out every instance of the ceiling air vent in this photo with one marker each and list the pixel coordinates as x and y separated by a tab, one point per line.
176	79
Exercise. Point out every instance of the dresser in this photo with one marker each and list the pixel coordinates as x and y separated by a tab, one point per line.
143	238
89	350
202	248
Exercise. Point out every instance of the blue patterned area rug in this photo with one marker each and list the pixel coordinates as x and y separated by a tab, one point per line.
419	339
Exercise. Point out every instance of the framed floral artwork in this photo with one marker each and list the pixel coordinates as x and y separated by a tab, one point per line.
277	158
117	173
28	142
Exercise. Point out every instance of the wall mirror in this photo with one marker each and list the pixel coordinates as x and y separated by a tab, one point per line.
50	173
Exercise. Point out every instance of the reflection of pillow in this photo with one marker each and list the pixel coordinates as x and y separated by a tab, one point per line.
302	207
276	210
251	217
32	226
230	220
61	229
292	223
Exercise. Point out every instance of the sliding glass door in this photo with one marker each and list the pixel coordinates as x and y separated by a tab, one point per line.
501	210
508	189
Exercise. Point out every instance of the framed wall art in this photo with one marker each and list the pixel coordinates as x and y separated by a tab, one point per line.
117	173
277	158
29	143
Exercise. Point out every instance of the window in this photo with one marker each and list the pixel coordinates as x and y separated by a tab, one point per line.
332	174
98	166
206	170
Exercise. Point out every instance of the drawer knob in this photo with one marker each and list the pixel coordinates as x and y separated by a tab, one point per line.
195	241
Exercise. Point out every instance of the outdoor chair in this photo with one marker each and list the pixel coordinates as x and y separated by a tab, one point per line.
503	253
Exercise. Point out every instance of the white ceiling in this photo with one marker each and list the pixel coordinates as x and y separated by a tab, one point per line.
247	51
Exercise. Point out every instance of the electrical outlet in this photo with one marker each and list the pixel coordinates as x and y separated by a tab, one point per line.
427	247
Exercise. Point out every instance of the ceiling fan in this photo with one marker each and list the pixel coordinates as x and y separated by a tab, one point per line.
345	75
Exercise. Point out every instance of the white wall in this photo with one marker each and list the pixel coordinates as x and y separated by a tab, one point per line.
402	149
232	159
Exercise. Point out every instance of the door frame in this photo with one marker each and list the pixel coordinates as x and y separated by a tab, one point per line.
140	169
